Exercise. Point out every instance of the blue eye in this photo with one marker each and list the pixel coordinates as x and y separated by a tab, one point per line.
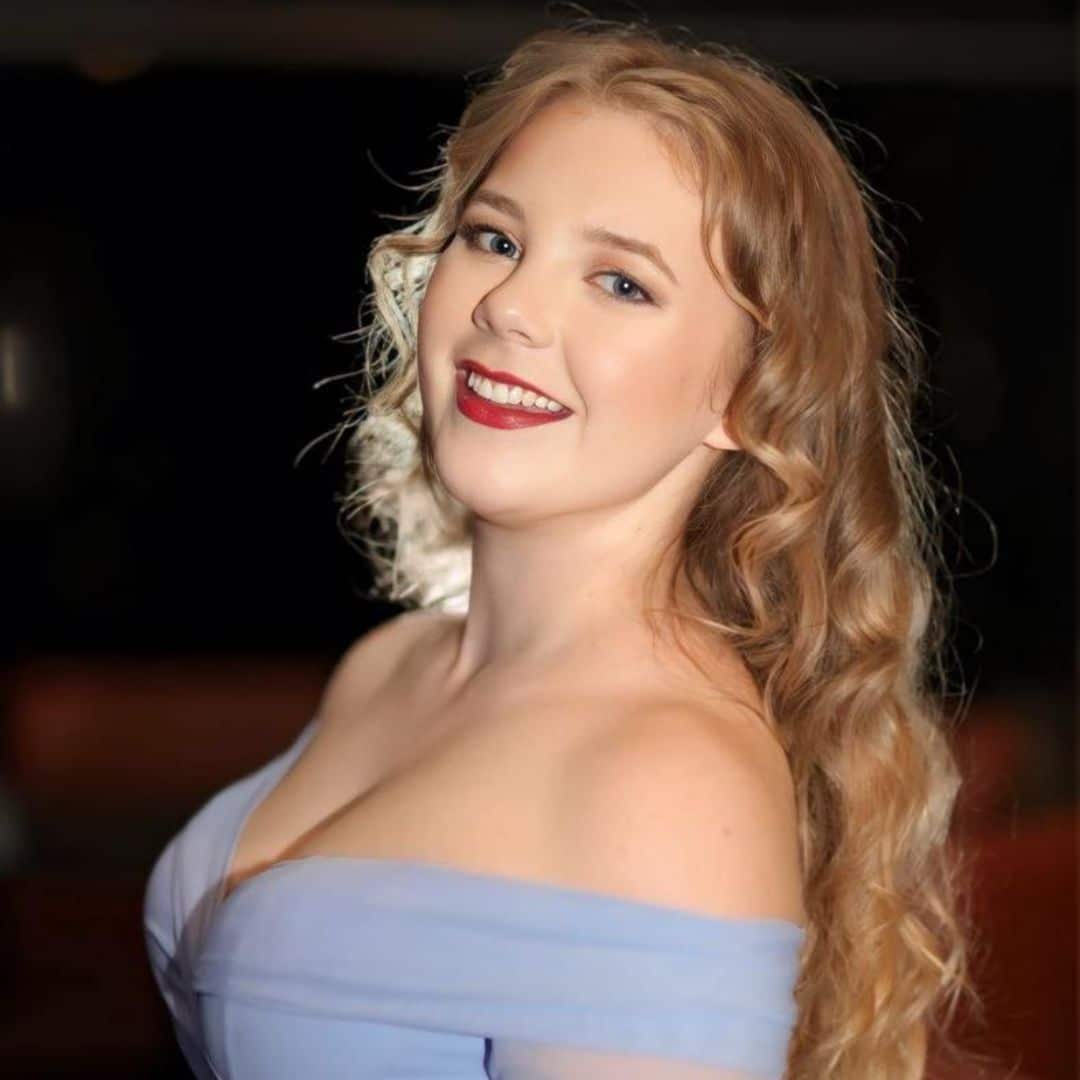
472	230
641	297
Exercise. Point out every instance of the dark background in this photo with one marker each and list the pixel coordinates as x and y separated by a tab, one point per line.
187	195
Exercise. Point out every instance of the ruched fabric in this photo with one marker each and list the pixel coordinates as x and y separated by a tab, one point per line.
333	967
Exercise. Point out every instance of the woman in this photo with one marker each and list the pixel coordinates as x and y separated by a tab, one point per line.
653	782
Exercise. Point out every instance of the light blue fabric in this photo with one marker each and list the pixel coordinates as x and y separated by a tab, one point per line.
328	967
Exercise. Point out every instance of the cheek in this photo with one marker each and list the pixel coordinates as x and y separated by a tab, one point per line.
648	376
430	315
436	325
645	400
445	289
636	427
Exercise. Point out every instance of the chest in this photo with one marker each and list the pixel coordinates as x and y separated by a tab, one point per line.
482	781
476	787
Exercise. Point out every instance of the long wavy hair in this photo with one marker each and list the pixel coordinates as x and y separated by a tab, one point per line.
814	549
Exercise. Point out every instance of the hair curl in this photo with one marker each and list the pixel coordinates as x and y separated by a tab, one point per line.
814	549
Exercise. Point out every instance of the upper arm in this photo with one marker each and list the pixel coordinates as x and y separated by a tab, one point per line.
521	1060
684	812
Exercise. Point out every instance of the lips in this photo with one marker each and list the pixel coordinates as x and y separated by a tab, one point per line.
500	376
491	414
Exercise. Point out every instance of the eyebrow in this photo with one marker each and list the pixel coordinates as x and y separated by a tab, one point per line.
597	234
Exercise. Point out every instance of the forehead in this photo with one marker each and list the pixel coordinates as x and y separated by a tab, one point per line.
603	166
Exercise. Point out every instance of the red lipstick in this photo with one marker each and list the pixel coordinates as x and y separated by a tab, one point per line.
490	413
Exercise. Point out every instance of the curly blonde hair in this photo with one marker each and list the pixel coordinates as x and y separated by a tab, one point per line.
815	549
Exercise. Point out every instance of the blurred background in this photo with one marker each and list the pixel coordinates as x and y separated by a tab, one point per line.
187	194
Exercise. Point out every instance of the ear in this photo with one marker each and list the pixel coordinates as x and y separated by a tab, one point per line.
719	439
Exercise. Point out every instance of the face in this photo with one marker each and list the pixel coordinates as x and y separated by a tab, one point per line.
629	345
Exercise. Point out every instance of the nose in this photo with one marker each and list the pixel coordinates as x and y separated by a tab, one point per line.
517	309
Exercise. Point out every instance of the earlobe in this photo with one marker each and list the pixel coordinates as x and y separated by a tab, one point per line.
718	439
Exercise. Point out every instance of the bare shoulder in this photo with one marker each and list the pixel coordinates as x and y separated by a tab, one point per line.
372	660
682	809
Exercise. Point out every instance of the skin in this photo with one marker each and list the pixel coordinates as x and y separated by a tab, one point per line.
530	738
570	516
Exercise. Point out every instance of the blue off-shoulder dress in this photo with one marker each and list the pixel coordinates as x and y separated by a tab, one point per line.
329	967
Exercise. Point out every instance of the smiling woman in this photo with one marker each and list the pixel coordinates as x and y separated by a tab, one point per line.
653	783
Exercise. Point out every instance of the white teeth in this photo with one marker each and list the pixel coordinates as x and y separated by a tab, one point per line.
503	394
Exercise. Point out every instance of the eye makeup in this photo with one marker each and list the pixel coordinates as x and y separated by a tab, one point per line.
471	230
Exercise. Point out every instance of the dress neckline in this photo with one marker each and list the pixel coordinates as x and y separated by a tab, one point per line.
431	868
503	882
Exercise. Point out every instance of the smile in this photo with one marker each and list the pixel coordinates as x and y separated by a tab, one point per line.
478	399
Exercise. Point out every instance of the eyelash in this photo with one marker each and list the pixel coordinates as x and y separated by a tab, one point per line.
470	231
